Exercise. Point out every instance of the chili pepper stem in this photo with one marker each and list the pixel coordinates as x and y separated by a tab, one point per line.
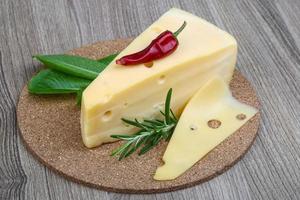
176	33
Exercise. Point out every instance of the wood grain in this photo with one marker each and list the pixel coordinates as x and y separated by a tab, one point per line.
268	33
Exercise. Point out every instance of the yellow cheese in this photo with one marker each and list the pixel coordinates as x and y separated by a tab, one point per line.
139	91
195	136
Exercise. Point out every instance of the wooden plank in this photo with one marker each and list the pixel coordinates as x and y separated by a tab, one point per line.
268	33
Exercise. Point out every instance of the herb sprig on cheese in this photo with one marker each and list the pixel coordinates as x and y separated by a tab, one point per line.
151	132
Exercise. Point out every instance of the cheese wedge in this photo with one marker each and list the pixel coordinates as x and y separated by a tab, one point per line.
139	91
208	119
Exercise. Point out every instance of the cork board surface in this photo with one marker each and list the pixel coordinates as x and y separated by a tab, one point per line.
50	129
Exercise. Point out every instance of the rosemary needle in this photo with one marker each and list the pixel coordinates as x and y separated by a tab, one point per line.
150	133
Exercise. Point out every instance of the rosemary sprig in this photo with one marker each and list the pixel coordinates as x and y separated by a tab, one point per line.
151	132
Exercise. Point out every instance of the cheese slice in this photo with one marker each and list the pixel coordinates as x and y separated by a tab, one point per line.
139	91
208	119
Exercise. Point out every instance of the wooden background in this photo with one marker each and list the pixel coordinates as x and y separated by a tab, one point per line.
268	33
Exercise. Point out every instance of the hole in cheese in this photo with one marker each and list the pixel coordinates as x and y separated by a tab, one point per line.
148	64
214	123
162	79
157	29
107	115
241	116
193	127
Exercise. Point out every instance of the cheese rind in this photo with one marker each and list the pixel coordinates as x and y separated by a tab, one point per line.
193	138
139	92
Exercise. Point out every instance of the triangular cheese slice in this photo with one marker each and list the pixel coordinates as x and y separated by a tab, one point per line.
139	91
208	119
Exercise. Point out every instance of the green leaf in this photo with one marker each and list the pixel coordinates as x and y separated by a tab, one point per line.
173	116
121	149
160	121
49	81
122	137
133	123
125	151
73	65
139	142
79	96
146	148
167	106
129	152
153	122
67	74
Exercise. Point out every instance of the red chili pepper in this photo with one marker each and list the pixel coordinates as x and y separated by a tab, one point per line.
165	44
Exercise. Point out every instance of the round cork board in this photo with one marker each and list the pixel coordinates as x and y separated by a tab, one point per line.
50	129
